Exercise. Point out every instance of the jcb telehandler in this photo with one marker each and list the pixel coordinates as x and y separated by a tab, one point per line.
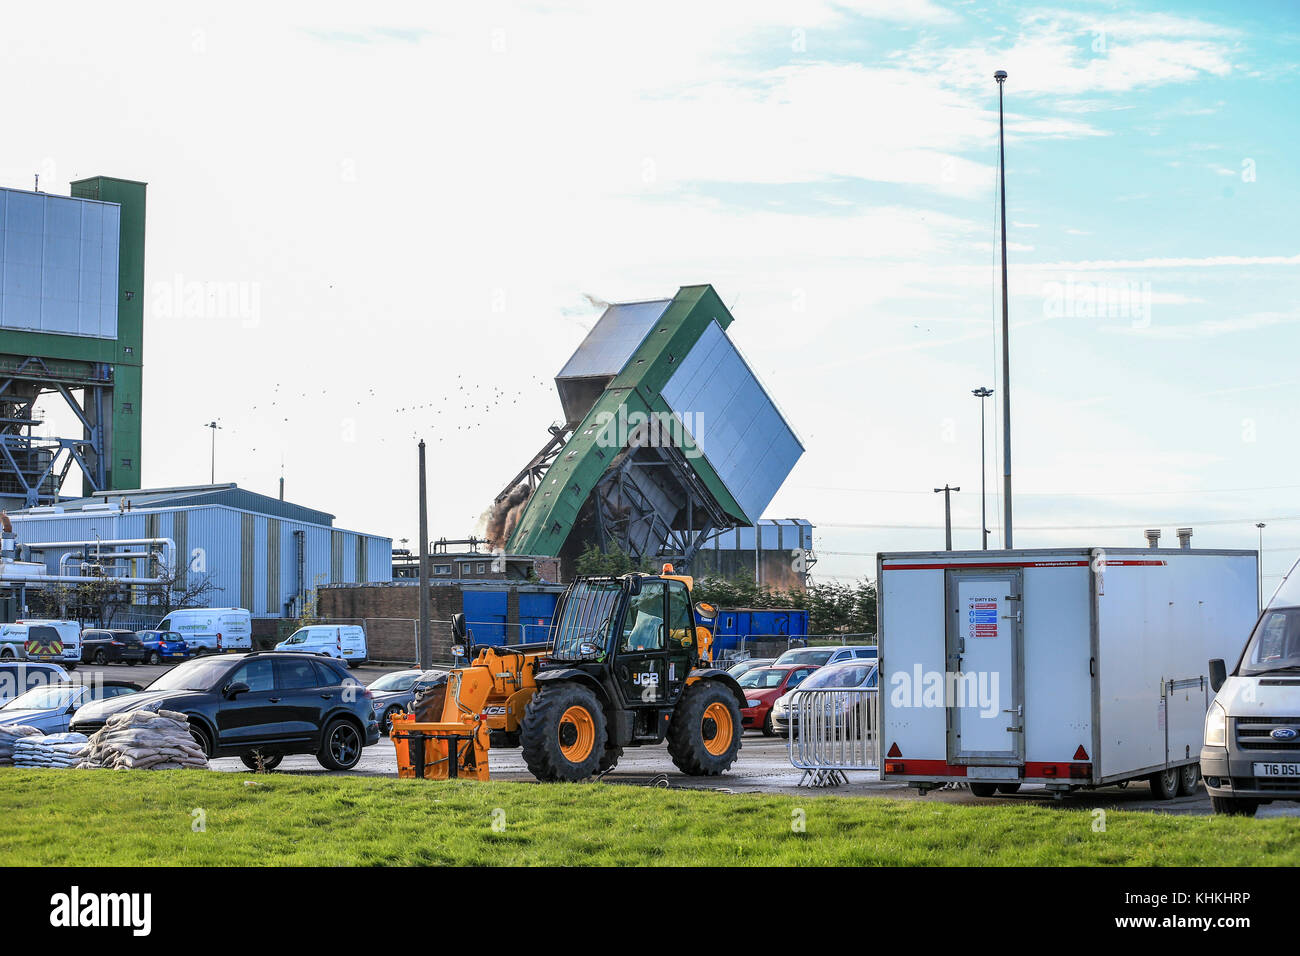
625	665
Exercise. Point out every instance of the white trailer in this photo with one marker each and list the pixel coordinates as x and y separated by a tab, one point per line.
1065	667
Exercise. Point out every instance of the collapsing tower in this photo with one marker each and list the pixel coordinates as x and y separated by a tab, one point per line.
668	437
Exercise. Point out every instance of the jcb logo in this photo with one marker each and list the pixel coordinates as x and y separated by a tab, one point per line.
494	711
645	680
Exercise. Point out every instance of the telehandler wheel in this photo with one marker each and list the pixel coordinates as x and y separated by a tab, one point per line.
704	734
609	759
563	733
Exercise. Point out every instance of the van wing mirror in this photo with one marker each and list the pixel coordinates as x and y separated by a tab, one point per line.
458	628
1218	673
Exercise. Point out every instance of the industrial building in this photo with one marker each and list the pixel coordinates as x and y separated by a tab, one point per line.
261	553
776	552
471	559
668	438
71	327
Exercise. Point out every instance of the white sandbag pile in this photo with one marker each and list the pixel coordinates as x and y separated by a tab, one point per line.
143	740
49	750
8	737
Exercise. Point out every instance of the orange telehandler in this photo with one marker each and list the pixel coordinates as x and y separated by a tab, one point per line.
625	665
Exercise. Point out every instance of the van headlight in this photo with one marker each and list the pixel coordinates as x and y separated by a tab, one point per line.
1216	726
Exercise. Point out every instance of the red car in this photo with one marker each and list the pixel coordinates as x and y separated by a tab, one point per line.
762	687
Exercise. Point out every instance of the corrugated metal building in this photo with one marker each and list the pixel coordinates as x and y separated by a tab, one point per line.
249	543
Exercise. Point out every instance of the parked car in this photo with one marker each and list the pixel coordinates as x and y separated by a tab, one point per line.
743	667
852	673
394	694
345	642
211	630
162	646
240	705
48	708
111	646
821	656
18	677
57	642
762	686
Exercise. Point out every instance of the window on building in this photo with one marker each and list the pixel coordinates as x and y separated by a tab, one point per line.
126	462
442	569
481	567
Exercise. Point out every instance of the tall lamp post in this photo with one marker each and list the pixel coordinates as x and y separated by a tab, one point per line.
982	393
1260	562
1001	77
947	514
214	426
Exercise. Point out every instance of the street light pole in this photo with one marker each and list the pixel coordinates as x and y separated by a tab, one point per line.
214	426
982	393
1001	76
1259	562
947	514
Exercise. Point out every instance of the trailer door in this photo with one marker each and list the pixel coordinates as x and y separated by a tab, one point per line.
984	692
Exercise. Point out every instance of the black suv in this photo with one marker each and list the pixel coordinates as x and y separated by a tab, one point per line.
107	646
259	707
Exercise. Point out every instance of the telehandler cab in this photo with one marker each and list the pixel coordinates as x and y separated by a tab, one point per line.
625	665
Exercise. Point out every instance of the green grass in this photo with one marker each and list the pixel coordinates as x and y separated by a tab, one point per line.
102	817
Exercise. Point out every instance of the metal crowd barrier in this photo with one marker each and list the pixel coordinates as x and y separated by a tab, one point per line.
833	730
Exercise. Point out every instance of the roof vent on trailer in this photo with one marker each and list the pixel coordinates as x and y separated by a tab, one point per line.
1185	538
1153	537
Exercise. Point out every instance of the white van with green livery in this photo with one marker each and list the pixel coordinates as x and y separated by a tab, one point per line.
211	630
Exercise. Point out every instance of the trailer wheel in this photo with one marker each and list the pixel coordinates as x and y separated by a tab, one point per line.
984	789
1234	806
563	733
704	733
1164	784
1008	788
1188	778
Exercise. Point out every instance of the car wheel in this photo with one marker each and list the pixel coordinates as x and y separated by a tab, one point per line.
202	739
101	658
1234	806
341	745
1164	784
154	658
386	725
269	761
132	663
1188	779
7	654
983	789
768	731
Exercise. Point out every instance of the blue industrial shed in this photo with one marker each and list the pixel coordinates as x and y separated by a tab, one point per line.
263	553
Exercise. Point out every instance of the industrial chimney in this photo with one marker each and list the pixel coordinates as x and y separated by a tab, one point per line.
1153	537
1185	538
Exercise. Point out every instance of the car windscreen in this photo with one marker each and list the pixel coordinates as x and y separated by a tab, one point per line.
762	678
839	675
44	698
817	657
1275	644
201	674
398	681
297	637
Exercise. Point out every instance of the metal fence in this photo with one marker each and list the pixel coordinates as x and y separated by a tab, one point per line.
833	730
774	645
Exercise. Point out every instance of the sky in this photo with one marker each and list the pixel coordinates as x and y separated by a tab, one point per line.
371	224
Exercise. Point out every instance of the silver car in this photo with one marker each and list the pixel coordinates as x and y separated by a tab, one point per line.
395	694
845	674
49	708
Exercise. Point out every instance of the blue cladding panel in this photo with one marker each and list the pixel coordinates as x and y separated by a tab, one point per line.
733	421
58	264
485	615
613	339
535	612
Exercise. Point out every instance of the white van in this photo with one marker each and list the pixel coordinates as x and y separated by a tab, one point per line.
344	642
1251	753
211	630
56	641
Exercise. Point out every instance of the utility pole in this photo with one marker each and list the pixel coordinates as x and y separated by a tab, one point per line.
982	393
1001	76
1259	562
424	642
214	426
947	514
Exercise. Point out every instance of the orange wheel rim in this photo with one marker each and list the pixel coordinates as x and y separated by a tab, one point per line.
719	743
577	734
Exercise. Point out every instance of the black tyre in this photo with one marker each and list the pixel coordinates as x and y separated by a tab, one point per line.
7	654
563	733
132	663
984	789
1189	779
101	657
386	724
1164	784
1234	806
609	759
1008	788
768	730
202	739
269	761
341	745
155	658
704	734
